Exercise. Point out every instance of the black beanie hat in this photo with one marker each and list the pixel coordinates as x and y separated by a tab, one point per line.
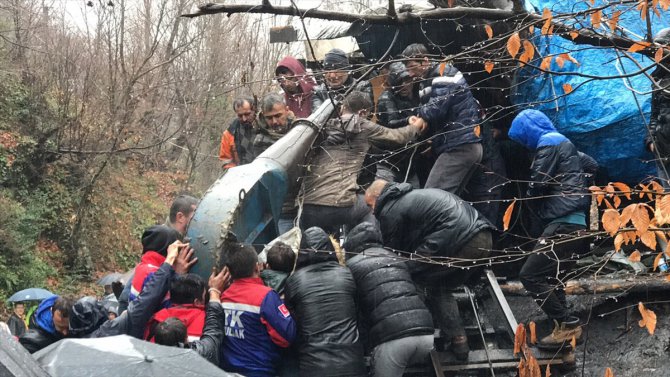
335	59
158	238
397	73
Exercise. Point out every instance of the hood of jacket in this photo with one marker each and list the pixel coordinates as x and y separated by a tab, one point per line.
307	84
274	279
316	238
363	236
43	315
313	246
193	317
533	130
157	238
87	316
189	313
391	191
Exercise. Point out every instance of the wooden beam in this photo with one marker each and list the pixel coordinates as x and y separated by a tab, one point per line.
642	283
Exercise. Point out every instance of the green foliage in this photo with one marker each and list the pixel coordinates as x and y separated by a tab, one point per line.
20	267
23	109
40	193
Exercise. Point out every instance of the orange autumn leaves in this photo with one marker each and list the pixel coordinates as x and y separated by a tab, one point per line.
514	44
636	221
648	318
507	217
529	365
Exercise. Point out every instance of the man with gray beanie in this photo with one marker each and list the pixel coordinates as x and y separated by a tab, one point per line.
337	79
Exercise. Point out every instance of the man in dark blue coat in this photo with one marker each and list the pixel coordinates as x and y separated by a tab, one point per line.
452	116
558	184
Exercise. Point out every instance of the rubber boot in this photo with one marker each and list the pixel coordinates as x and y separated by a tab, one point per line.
562	335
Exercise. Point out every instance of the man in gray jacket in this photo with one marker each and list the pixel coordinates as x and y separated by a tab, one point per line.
330	191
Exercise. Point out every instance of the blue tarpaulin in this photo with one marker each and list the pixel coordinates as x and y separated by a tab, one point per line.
603	118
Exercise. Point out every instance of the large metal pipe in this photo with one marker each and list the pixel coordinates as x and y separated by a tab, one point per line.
247	200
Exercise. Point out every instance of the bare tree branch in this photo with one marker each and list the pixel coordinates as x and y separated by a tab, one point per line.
403	18
584	36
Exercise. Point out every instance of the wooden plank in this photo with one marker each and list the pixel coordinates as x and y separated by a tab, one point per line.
640	283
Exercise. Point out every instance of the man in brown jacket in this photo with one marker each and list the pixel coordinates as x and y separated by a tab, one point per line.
331	195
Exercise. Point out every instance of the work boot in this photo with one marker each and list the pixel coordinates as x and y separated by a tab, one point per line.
562	335
460	347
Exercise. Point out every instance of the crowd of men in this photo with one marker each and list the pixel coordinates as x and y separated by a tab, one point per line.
306	312
426	131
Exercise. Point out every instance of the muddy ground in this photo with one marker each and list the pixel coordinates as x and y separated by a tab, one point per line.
612	337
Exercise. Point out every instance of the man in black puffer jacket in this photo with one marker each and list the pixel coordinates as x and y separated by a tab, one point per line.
400	325
558	184
452	115
321	297
434	224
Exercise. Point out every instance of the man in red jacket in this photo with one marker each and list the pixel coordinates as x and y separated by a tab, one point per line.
257	323
155	242
187	299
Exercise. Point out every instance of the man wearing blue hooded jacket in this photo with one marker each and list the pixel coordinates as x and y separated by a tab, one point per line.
558	188
50	323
